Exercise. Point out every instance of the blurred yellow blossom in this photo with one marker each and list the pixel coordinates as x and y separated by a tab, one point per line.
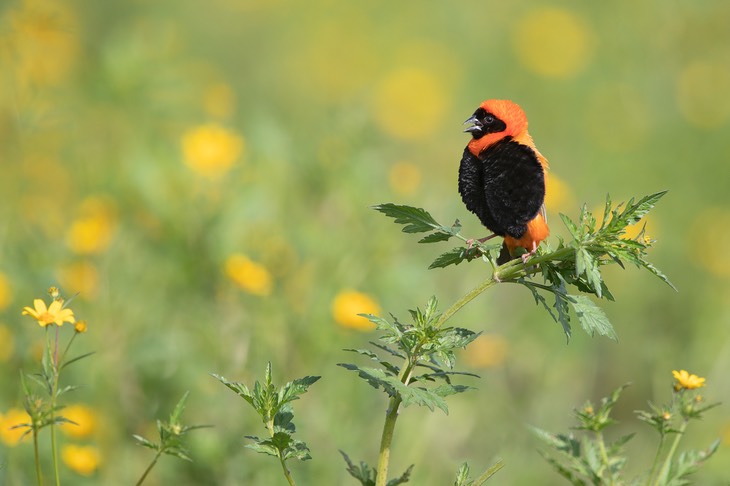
487	351
558	195
410	103
219	101
83	416
43	41
553	42
81	276
83	460
7	343
6	295
13	417
348	304
92	231
702	89
404	178
686	381
211	150
715	222
53	314
252	277
81	327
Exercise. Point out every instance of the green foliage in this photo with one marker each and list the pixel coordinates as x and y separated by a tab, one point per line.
589	460
273	404
463	479
422	343
573	265
368	476
171	433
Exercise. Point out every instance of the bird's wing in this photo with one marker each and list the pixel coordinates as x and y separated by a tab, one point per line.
514	185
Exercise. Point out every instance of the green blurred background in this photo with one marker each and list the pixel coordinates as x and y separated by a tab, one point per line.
201	173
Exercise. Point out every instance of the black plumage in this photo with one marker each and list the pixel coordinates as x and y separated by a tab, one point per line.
504	186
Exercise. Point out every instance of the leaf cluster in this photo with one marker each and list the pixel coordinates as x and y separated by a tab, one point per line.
273	404
171	433
427	350
575	264
368	476
588	460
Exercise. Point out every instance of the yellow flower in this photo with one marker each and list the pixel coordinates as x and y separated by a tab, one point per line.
348	304
83	460
558	195
685	381
7	343
252	277
55	314
211	150
80	327
487	351
410	103
85	420
15	416
6	294
404	178
553	42
93	230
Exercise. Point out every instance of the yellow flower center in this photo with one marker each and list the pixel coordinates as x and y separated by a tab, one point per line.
46	318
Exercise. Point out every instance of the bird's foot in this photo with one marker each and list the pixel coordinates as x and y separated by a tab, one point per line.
528	255
470	241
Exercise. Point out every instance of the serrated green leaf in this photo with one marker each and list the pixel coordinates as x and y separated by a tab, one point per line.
402	479
144	442
436	237
415	220
363	473
292	390
262	446
591	317
178	410
454	257
375	377
239	388
571	226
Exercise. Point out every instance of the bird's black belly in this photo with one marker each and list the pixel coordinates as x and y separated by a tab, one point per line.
504	186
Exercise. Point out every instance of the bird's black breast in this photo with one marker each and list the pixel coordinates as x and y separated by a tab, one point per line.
504	186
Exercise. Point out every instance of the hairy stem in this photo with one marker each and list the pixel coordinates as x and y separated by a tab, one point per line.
149	468
664	471
656	460
282	461
37	455
391	417
604	457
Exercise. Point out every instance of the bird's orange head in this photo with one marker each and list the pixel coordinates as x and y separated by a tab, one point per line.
495	120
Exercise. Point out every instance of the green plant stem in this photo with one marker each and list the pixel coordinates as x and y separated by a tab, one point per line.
54	392
604	456
664	471
391	417
656	460
489	472
287	473
149	468
37	456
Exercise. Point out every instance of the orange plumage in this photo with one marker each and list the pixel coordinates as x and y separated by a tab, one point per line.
502	175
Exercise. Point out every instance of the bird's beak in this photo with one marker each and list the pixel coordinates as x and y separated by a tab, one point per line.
476	125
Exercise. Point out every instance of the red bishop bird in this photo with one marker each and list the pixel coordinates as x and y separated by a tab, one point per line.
502	177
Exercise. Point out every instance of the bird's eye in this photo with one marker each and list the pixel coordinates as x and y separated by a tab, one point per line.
488	120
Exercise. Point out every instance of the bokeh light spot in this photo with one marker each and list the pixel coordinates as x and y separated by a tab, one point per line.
409	103
553	42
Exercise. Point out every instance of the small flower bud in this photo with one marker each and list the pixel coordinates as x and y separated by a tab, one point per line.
666	416
80	327
54	292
